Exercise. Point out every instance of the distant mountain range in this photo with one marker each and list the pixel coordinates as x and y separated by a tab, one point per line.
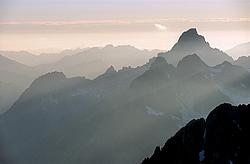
242	51
16	76
89	62
120	115
239	50
94	61
30	59
243	61
223	138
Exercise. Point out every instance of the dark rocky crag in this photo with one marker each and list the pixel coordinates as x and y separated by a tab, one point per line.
191	42
223	138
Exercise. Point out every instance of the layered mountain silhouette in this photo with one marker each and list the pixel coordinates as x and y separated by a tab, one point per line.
242	51
239	50
76	120
30	59
14	78
120	115
92	62
7	64
220	139
19	68
191	42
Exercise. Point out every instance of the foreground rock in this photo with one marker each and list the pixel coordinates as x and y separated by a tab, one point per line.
223	138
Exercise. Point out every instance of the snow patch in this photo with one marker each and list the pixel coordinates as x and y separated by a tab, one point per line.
79	92
215	70
188	113
243	85
168	76
174	117
201	155
151	111
236	99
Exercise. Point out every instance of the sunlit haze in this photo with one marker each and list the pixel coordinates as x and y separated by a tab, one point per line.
53	25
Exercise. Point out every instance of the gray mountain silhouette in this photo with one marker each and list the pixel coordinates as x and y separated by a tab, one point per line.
190	42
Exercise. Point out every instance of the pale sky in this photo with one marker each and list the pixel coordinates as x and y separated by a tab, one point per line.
60	24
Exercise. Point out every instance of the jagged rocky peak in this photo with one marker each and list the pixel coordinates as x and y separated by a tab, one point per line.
110	70
192	62
191	38
158	63
223	138
158	73
108	73
182	148
191	42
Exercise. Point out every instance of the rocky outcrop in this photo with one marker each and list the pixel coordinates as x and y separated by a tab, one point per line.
223	138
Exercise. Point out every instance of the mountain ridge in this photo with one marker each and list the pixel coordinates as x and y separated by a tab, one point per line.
190	42
220	139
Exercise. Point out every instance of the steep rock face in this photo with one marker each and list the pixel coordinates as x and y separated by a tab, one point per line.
227	135
184	147
190	42
160	72
190	38
108	73
223	138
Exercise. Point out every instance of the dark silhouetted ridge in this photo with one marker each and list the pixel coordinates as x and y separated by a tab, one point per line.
190	38
223	138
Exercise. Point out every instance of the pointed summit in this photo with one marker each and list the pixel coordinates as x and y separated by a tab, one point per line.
108	73
158	63
110	70
192	60
190	42
189	34
191	64
191	38
160	72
